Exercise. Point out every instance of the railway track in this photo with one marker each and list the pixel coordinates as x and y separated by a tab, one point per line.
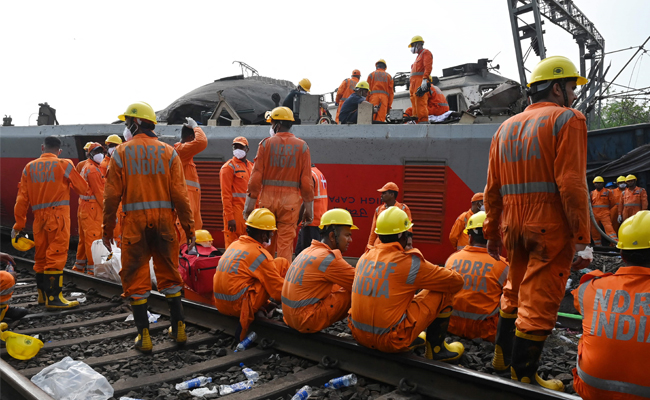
286	360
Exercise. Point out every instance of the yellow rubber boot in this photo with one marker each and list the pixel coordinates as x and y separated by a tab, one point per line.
143	341
437	349
40	287
141	319
526	351
503	343
177	330
54	292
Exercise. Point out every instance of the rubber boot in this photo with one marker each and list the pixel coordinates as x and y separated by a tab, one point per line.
437	349
12	313
503	343
40	287
54	299
419	341
141	319
526	351
177	330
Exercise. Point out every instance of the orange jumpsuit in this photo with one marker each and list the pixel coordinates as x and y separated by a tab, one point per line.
245	278
90	210
476	306
45	185
437	104
601	202
373	240
7	284
117	232
346	88
381	92
613	212
316	291
280	177
146	175
234	176
420	70
103	166
632	201
186	151
536	199
616	335
81	261
320	195
386	314
457	236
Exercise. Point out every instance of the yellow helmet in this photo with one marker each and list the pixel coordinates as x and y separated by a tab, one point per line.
262	218
634	233
599	179
21	347
392	221
381	60
305	84
620	179
139	110
113	139
280	114
415	39
362	85
556	67
630	178
336	216
22	243
203	236
87	145
475	221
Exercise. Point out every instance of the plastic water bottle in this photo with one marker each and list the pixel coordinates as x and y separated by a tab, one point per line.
236	387
246	342
344	381
250	374
302	394
193	383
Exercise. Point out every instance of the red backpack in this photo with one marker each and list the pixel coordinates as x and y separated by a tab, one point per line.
197	270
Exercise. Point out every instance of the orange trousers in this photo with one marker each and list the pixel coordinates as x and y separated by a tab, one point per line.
81	261
613	216
230	237
51	238
419	104
316	317
285	205
472	329
382	101
90	222
195	206
7	283
604	219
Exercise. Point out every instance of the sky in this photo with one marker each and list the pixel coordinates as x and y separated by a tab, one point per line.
90	60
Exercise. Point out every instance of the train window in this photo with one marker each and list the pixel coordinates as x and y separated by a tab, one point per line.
424	193
452	100
211	207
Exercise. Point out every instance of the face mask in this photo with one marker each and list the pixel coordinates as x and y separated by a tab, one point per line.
268	242
239	153
271	131
111	150
127	134
98	158
483	207
622	186
413	49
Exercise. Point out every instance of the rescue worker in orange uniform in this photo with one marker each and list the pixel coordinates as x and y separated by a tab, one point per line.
146	176
420	72
615	307
346	88
281	178
476	306
458	235
617	193
7	285
317	287
386	313
92	203
437	103
311	232
193	141
81	261
535	202
633	200
45	185
602	200
381	91
389	194
234	176
111	142
247	275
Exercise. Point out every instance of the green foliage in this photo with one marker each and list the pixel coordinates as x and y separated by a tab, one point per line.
625	111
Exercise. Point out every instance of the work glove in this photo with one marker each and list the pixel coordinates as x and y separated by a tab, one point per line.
190	123
584	256
425	85
232	225
308	215
620	220
249	206
15	233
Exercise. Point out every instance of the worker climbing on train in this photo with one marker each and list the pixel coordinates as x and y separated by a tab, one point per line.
281	179
389	193
146	176
419	79
346	88
7	285
476	306
193	141
81	261
617	193
381	92
234	176
602	200
317	287
458	235
397	294
633	200
436	105
615	308
535	200
350	109
304	86
92	204
248	275
45	185
111	142
311	232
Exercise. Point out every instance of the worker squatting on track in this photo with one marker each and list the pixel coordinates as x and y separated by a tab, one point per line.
92	203
233	178
311	232
458	235
389	194
602	200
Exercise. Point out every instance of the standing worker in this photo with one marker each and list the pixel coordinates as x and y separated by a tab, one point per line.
350	109
45	184
617	193
458	235
281	177
602	200
234	176
311	232
151	187
536	198
437	103
81	261
111	142
381	91
389	194
92	203
633	200
420	71
346	88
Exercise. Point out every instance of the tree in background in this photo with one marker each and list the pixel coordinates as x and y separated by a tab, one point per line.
620	111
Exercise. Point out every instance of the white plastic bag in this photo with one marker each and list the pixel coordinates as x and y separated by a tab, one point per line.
73	380
102	270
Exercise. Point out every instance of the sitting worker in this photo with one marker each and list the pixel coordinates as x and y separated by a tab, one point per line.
350	109
458	237
92	204
389	194
346	88
111	143
204	247
381	91
7	284
234	176
615	307
247	274
303	88
633	200
617	193
476	306
386	313
81	261
602	200
317	287
310	232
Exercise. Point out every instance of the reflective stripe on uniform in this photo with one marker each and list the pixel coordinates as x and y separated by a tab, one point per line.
140	296
174	154
192	183
561	121
600	206
90	268
343	99
53	204
613	386
67	171
299	303
474	316
443	104
528	187
230	297
379	92
172	290
147	205
413	272
417	73
231	166
87	197
504	276
259	260
460	247
373	329
581	297
269	182
118	160
632	205
326	262
239	195
320	197
7	291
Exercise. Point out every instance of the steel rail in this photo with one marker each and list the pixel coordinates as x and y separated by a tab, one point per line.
20	388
